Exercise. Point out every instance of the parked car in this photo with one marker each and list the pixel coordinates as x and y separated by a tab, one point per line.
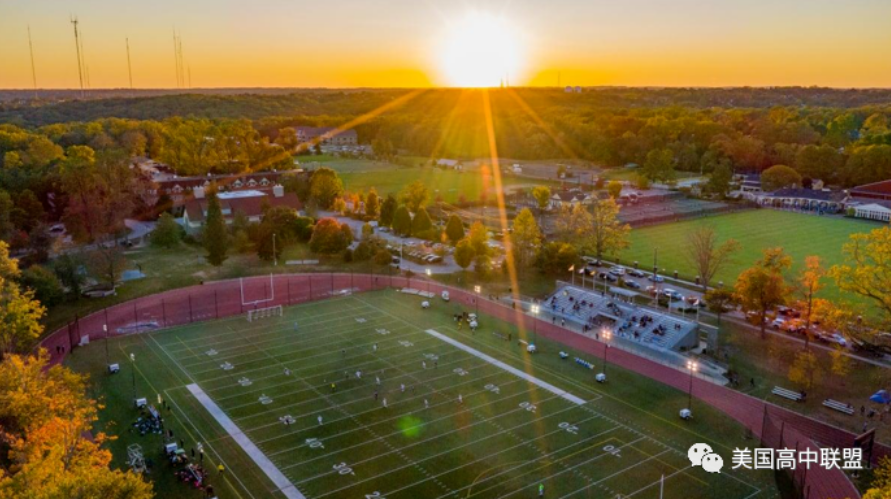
617	271
674	295
636	273
652	290
778	323
632	285
655	278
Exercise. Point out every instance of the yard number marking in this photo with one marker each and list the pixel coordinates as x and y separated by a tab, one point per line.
211	352
382	331
343	469
375	495
315	443
226	366
570	428
612	450
406	344
360	320
492	388
528	406
460	372
245	382
265	399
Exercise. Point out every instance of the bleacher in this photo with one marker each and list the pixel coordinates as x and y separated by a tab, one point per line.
626	320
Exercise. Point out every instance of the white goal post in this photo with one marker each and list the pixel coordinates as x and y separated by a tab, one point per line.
262	313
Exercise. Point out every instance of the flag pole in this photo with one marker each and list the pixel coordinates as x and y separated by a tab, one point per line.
661	486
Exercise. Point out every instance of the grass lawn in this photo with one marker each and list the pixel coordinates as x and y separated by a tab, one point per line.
800	235
447	183
185	266
507	436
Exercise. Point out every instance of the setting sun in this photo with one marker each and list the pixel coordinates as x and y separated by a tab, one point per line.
480	50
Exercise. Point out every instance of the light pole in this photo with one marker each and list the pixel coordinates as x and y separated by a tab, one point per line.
133	374
105	330
274	255
477	289
692	366
429	273
607	335
535	309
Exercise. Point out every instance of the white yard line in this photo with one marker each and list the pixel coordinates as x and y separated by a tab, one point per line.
281	481
516	372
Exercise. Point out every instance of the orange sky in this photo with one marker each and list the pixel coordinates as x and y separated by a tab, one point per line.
386	43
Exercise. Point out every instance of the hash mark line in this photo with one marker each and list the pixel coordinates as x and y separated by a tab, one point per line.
280	480
516	372
635	465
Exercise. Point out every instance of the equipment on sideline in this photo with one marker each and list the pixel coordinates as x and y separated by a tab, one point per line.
262	313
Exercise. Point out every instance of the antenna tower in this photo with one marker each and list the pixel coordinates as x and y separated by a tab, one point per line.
33	70
129	69
80	66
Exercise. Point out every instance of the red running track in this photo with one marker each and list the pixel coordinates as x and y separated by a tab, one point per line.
224	299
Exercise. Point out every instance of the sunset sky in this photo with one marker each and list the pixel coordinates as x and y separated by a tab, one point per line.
403	43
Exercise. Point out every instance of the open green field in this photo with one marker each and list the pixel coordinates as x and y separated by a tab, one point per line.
522	420
387	178
800	235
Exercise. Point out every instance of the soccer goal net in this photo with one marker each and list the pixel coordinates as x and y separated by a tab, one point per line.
262	313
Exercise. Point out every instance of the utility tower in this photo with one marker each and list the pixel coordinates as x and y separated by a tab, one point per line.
80	65
33	69
129	69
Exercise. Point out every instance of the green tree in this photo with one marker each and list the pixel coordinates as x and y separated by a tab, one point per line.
415	195
614	188
454	229
43	282
556	257
167	233
421	223
402	221
542	195
719	181
6	207
388	210
805	370
67	267
608	235
479	238
779	177
525	239
215	237
659	165
372	204
325	187
464	253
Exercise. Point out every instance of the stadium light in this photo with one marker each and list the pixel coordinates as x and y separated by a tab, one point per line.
693	367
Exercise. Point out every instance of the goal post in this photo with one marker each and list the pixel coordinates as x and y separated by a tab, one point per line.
265	312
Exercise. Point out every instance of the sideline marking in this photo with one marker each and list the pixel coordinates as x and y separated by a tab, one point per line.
516	372
281	481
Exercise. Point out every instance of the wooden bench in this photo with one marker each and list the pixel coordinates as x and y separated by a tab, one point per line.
839	406
788	394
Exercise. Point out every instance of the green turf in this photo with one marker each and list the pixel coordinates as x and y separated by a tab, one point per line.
800	235
495	444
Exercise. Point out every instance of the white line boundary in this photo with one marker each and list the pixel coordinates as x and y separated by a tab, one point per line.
280	480
516	372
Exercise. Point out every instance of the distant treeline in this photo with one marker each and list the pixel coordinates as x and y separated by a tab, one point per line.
839	136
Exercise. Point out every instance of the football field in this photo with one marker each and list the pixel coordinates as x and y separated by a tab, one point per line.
369	396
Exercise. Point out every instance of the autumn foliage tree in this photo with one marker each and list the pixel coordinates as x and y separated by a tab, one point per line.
866	270
45	424
762	287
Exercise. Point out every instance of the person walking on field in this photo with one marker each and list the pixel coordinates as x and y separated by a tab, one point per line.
460	399
385	402
426	404
320	420
424	364
377	379
541	490
402	387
